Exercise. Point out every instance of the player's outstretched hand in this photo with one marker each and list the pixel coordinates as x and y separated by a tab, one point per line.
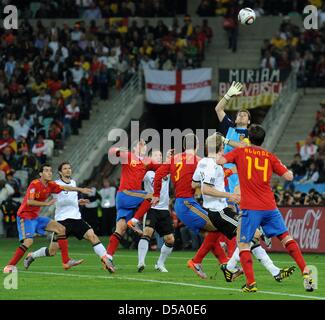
83	202
154	201
235	89
49	203
234	198
86	190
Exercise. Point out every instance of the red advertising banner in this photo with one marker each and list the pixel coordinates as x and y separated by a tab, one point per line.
306	225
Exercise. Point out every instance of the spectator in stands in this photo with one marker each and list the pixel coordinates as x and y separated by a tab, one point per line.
308	150
9	156
21	128
230	25
268	61
93	12
71	118
4	166
108	193
297	167
39	149
311	176
7	140
206	9
90	210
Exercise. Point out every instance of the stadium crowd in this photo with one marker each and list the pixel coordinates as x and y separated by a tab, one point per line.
308	167
97	9
302	51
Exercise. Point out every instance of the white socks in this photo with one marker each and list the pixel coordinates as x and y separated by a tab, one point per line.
261	255
42	252
99	249
165	251
143	247
232	263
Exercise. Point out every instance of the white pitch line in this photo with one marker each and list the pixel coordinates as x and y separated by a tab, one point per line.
173	283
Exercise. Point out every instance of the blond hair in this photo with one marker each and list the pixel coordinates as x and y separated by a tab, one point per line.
214	143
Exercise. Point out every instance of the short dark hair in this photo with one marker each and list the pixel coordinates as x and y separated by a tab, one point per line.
62	164
256	134
244	110
40	170
190	141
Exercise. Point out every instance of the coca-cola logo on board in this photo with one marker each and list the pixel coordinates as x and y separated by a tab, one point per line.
304	230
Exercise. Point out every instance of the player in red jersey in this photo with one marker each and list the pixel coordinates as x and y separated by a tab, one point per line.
130	195
255	167
28	220
181	168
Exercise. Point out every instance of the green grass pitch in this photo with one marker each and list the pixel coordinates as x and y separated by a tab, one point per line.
46	278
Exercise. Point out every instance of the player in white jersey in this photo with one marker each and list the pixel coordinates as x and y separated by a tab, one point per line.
67	213
211	177
157	219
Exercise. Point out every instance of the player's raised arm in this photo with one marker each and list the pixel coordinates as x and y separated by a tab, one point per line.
234	90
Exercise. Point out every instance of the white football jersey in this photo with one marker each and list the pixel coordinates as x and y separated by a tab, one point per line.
66	205
164	193
207	171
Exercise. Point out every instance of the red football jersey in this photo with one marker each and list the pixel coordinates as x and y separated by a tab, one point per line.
181	168
255	166
39	192
134	170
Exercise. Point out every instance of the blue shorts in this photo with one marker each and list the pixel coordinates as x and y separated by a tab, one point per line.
27	228
270	220
191	214
127	202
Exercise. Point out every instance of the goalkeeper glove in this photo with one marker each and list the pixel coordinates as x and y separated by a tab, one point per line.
234	90
225	140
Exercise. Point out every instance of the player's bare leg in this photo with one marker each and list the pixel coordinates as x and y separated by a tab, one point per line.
165	251
99	249
114	241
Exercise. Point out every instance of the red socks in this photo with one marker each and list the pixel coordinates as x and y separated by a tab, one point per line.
211	243
231	246
63	244
114	241
143	209
18	255
247	264
295	253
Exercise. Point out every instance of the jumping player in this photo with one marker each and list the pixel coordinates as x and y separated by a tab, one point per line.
67	214
222	216
255	166
130	195
181	168
158	219
28	220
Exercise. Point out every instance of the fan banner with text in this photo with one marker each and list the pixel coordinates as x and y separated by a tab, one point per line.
306	225
173	87
261	87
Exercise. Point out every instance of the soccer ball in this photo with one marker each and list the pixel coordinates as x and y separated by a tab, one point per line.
246	16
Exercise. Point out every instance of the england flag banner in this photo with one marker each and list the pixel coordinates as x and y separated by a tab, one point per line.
172	87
